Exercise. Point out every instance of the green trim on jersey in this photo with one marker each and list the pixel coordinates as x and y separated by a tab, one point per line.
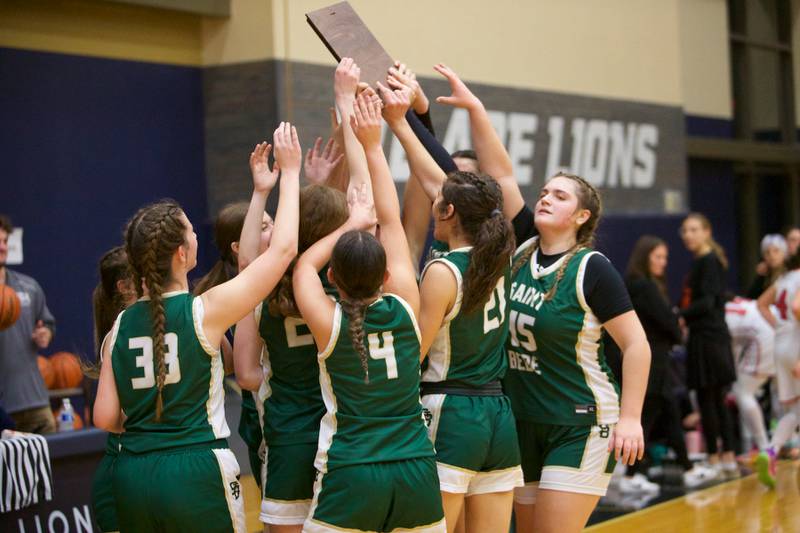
194	400
380	420
557	370
470	348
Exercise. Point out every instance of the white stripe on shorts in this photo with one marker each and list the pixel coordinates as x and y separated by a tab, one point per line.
234	495
284	512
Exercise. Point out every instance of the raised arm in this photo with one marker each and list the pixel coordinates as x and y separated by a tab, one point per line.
312	301
345	85
320	164
416	216
264	181
492	155
227	303
366	124
247	348
420	162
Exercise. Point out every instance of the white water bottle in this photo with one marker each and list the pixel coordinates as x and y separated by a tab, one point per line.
66	418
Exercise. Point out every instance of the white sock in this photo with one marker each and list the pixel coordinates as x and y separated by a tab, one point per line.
785	430
753	418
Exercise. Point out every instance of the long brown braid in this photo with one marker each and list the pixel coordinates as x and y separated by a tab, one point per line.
588	198
322	210
358	263
478	204
152	236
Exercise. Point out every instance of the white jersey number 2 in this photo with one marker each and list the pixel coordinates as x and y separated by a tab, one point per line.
145	361
497	303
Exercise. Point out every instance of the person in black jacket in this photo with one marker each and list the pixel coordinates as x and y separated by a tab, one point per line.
710	366
645	280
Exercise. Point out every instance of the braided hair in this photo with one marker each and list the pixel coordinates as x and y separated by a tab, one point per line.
588	198
358	264
151	238
478	204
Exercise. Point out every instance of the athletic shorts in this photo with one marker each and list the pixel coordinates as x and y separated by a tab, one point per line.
392	496
475	438
566	458
289	475
103	502
186	489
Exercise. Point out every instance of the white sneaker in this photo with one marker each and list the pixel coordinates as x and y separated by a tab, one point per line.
700	475
638	484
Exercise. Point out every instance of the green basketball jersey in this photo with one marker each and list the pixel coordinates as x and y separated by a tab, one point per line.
381	420
194	400
557	371
293	404
470	348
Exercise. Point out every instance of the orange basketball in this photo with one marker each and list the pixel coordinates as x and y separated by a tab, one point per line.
67	370
77	422
9	307
46	369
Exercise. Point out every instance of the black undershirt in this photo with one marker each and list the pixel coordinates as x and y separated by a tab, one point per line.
603	288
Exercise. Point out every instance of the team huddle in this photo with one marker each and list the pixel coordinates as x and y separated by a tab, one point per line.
386	398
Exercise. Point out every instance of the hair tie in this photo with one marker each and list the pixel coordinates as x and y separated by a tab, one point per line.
495	212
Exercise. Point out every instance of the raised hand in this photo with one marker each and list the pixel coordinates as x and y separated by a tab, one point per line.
264	179
400	75
288	154
366	121
346	77
395	103
362	208
318	164
461	95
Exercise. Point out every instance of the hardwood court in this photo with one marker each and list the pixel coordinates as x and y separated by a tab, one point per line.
743	505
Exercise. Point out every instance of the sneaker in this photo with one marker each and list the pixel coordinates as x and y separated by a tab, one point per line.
700	475
765	466
638	484
730	470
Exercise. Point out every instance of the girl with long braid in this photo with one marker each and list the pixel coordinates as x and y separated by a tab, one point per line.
275	357
113	293
376	464
161	378
569	412
463	320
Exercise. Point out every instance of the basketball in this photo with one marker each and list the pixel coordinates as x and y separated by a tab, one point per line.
66	370
46	369
9	307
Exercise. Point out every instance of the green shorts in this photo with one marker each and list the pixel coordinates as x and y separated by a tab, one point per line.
252	435
565	458
393	496
289	475
192	488
103	502
475	438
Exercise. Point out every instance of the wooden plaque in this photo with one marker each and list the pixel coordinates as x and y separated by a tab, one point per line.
345	35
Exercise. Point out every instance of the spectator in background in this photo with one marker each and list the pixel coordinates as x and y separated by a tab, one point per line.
645	279
22	390
773	255
709	364
792	236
